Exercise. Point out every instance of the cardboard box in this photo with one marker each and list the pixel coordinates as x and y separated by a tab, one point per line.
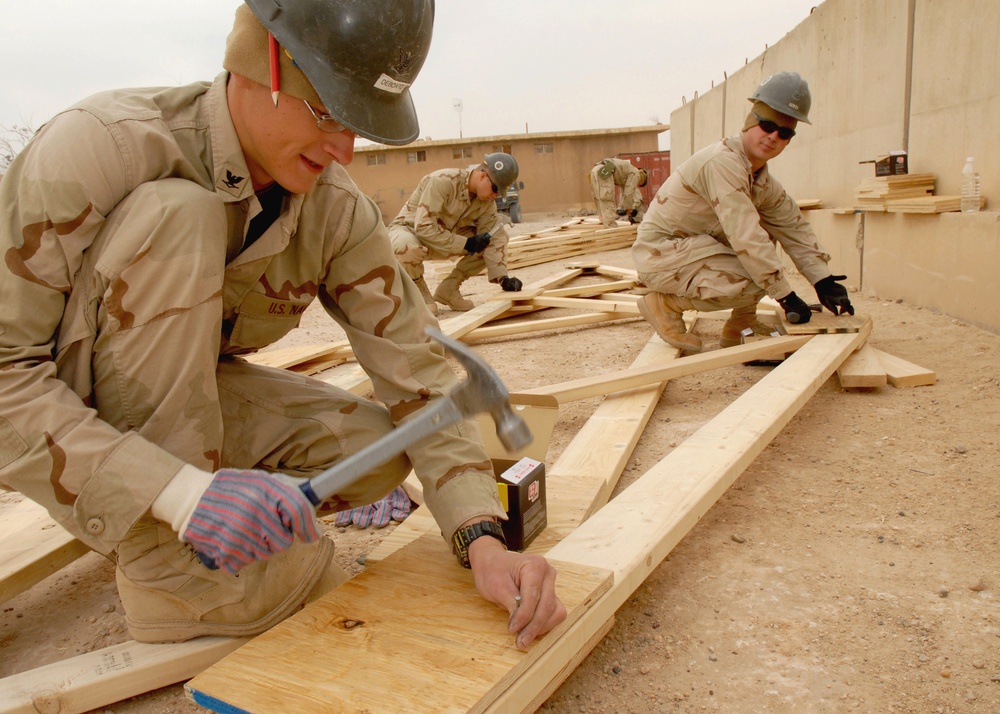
891	164
521	487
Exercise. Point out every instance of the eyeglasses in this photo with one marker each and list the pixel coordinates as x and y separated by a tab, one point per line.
496	190
769	127
325	122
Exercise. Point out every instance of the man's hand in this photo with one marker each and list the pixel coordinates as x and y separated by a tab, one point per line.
394	507
633	213
245	516
796	310
477	243
510	285
833	296
503	576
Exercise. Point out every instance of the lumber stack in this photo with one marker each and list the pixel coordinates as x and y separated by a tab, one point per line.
875	193
928	204
567	241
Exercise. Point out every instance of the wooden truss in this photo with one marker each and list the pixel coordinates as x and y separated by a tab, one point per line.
412	620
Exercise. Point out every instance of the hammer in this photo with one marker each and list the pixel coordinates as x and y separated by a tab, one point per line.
482	391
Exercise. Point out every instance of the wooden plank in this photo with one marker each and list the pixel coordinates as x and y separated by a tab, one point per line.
862	370
692	364
641	525
901	373
550	323
93	680
587	471
409	634
592	289
32	547
825	323
585	304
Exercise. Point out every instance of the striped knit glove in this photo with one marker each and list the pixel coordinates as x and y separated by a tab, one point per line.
394	507
245	516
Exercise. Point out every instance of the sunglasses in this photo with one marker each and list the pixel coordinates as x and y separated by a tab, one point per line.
769	127
325	122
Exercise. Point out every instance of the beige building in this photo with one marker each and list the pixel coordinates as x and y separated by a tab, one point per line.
554	167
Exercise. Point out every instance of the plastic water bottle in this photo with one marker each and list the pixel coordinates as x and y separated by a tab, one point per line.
970	187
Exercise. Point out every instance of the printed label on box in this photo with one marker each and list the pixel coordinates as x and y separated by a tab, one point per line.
517	472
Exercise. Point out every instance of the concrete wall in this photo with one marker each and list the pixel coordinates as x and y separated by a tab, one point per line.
555	167
917	75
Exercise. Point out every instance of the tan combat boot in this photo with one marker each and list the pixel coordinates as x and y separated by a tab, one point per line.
169	596
664	313
425	292
447	293
742	319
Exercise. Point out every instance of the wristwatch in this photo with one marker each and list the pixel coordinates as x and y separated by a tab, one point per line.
464	536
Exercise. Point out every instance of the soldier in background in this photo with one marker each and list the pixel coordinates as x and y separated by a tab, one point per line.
709	240
608	174
453	212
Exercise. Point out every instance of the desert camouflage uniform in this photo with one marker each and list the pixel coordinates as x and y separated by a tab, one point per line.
710	233
439	217
128	297
604	177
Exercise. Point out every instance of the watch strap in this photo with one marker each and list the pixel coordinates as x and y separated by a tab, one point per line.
464	536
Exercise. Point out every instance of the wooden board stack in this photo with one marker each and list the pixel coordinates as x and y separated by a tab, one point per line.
928	204
875	193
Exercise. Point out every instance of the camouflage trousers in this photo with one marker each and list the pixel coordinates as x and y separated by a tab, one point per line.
716	282
158	372
603	190
411	254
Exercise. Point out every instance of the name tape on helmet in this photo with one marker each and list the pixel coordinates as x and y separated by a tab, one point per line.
388	84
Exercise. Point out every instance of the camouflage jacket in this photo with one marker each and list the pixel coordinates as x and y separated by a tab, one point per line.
716	193
442	215
625	175
326	244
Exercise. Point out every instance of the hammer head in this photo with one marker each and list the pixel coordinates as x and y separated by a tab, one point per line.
483	391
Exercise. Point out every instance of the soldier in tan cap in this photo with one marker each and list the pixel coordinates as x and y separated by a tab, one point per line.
708	241
152	237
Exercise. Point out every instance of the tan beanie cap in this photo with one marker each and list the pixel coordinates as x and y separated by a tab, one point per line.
764	111
247	55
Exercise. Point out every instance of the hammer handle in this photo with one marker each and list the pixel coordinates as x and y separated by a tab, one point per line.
430	420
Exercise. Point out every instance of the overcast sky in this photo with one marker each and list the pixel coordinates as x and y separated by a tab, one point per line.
540	65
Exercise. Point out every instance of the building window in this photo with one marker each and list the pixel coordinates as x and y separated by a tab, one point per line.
376	159
416	157
505	148
461	152
543	148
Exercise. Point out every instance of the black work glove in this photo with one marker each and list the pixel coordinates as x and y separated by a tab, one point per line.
510	285
477	243
633	213
621	211
796	310
834	296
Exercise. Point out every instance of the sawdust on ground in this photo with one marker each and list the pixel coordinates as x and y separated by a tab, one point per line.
854	566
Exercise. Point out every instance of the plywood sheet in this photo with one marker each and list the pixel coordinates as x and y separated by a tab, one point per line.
411	634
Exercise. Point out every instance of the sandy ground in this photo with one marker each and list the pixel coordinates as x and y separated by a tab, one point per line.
852	567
